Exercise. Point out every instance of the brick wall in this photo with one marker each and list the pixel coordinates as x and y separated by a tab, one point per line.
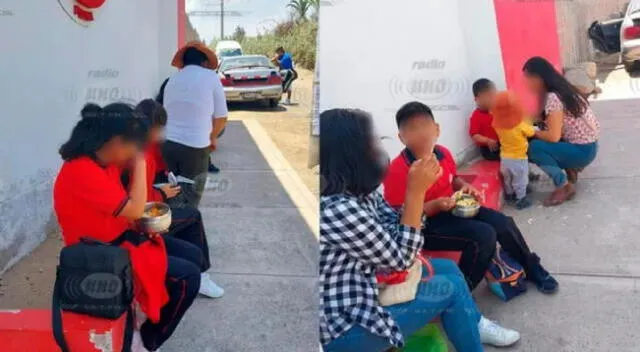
574	18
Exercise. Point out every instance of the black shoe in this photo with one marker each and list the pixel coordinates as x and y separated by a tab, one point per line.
539	276
523	203
509	198
213	169
534	177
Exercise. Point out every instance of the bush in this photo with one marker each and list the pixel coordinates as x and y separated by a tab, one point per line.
297	38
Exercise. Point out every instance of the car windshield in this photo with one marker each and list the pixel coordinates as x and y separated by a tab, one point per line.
634	7
230	52
244	61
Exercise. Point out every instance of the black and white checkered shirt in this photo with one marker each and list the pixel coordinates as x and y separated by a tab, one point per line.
360	236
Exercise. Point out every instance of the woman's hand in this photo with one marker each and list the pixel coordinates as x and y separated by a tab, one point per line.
423	174
170	191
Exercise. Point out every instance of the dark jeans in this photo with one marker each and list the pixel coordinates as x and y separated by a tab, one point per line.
476	239
192	163
489	154
186	225
182	283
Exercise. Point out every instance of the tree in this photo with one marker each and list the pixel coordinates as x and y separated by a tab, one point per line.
301	8
239	34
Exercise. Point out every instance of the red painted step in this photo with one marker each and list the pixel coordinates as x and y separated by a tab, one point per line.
29	330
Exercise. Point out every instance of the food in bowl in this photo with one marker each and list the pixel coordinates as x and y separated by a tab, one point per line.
156	218
467	206
154	211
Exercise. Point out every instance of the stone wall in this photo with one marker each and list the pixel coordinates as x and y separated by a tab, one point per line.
574	18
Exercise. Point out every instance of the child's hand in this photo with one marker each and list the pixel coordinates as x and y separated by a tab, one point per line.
170	191
493	145
438	205
469	189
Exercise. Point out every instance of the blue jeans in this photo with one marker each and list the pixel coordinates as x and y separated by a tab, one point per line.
445	295
553	158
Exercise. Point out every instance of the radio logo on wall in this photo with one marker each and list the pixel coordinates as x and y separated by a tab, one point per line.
82	12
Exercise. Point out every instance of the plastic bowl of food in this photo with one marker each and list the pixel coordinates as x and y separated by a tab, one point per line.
156	218
467	206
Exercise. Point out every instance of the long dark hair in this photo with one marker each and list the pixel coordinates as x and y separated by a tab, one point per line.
554	82
348	159
99	125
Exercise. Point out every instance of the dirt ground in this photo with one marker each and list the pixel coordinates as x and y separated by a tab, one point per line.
28	283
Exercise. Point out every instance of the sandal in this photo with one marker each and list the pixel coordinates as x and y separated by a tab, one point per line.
560	195
572	175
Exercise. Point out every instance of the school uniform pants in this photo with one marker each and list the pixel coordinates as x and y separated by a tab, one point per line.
182	284
187	225
192	163
489	154
445	295
476	238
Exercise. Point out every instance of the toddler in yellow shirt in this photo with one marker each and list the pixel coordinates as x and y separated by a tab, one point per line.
514	131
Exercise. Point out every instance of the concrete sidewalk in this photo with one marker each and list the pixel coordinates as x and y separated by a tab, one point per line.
258	218
591	245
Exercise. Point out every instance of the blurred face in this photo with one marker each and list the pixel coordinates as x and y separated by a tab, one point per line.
534	83
279	53
118	151
156	134
419	133
485	99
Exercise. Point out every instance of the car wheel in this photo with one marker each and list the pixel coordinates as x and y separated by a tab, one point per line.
273	103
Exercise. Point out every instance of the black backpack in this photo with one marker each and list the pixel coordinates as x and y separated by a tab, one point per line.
93	278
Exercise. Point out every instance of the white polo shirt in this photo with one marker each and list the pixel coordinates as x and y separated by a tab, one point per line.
193	97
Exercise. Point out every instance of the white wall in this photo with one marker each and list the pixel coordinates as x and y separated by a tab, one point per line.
377	55
49	67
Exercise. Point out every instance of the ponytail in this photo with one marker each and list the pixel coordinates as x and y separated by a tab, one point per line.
99	125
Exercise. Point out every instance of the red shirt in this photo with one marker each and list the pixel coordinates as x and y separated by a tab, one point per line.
155	153
395	183
88	199
480	123
154	161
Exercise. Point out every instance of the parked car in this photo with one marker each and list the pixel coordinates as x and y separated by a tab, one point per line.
228	48
619	35
251	78
630	35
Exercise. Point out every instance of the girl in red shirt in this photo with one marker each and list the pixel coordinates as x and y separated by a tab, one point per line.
187	224
89	200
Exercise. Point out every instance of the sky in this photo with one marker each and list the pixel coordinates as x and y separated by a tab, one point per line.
256	16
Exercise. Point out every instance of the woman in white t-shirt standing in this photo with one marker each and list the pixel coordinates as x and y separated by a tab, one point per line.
196	114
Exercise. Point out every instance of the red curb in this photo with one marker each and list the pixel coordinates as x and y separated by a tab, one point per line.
30	330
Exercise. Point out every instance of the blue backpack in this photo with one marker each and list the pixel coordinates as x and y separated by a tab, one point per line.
505	276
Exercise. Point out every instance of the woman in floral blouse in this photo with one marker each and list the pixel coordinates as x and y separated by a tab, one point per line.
569	141
360	235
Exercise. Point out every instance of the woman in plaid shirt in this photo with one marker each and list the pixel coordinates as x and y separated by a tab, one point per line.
360	234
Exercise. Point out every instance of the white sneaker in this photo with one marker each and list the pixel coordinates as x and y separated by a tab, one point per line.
287	102
209	288
495	335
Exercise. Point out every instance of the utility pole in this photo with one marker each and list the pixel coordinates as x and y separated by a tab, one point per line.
222	13
221	19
